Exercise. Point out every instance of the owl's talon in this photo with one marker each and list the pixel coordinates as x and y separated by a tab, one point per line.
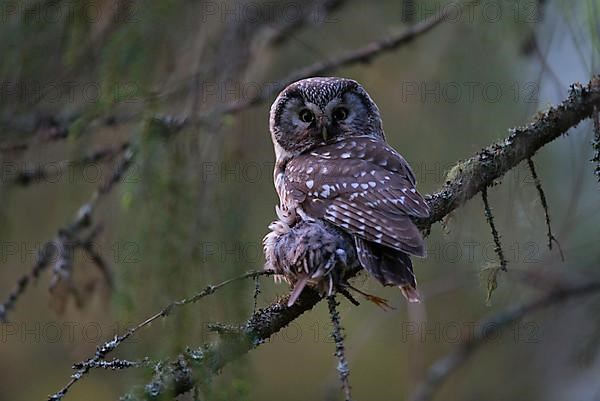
380	302
279	227
285	216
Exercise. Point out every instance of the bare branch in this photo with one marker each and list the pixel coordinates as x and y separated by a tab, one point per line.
65	237
27	176
256	293
41	262
340	351
596	143
49	128
82	368
490	219
179	376
362	55
441	369
471	176
494	270
242	34
466	180
542	195
114	364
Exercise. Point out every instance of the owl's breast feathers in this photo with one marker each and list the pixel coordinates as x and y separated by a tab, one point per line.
361	185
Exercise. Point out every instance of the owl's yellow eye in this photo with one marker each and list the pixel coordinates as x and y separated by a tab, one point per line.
306	115
340	114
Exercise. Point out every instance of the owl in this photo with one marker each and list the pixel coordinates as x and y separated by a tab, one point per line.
333	167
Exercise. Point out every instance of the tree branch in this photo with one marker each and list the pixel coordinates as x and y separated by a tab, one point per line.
443	367
465	180
98	360
166	126
66	234
362	55
37	174
196	365
469	177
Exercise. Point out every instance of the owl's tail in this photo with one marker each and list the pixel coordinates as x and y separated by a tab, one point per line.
388	266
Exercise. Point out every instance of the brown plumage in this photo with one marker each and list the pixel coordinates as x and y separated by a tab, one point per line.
334	165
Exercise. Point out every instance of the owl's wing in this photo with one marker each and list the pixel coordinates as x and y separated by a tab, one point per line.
362	186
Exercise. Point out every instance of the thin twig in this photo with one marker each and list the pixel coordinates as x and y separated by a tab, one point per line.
176	377
43	258
65	236
276	31
468	177
487	328
596	142
362	55
494	269
53	171
490	219
340	351
51	128
114	364
542	195
82	368
256	293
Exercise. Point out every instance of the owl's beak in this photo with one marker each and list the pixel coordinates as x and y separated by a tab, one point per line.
322	122
324	132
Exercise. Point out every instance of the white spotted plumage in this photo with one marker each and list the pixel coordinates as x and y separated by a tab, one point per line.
343	172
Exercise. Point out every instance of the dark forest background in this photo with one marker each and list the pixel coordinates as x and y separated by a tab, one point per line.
80	84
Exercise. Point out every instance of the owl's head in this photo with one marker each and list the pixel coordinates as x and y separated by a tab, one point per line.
318	111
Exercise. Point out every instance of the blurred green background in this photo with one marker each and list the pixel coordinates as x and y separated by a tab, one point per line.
194	207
